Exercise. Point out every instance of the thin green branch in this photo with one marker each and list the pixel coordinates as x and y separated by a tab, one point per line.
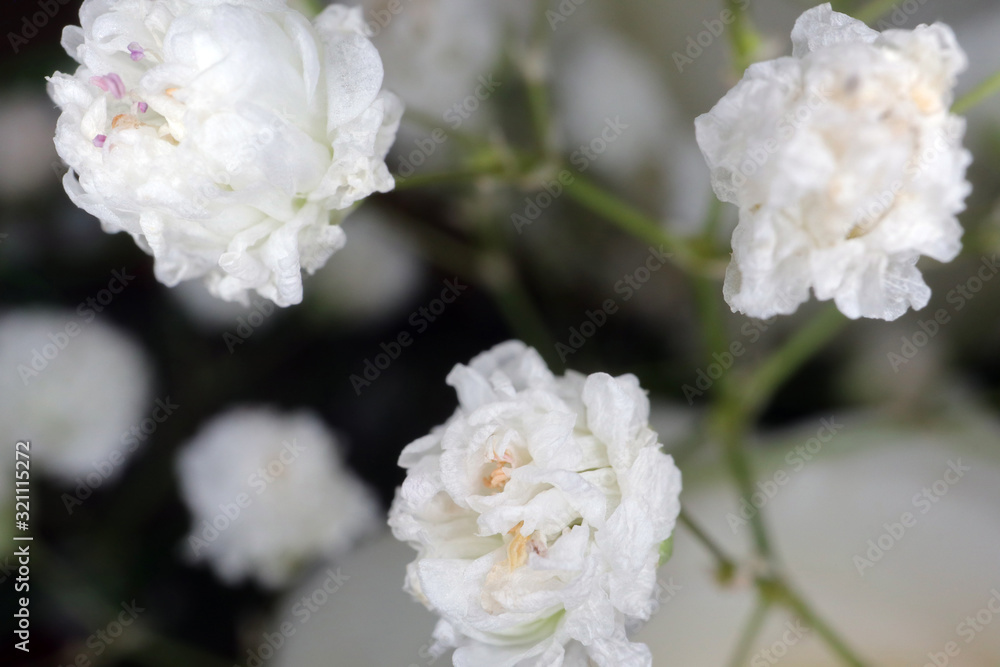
643	227
798	605
980	93
786	361
743	37
753	627
727	566
732	424
450	177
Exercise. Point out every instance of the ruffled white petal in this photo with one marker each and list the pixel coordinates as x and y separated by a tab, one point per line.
846	166
537	512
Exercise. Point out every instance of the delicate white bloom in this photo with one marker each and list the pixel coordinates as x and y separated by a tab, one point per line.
75	388
846	166
227	138
538	511
268	493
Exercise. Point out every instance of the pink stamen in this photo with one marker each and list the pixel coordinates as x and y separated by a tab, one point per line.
111	83
142	107
136	51
99	140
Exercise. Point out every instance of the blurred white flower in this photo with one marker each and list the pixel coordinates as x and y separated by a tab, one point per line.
924	581
436	50
846	166
73	387
30	162
537	511
600	75
211	315
380	275
228	138
268	493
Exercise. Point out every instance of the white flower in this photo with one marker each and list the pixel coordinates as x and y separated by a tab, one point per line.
268	493
846	166
228	138
75	388
538	511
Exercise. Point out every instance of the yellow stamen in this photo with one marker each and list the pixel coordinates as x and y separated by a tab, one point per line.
517	550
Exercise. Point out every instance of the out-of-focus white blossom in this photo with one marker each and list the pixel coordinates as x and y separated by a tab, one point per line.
74	387
436	50
381	274
538	511
268	494
29	161
227	138
841	554
601	76
846	166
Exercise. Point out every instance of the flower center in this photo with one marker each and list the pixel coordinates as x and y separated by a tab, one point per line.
520	546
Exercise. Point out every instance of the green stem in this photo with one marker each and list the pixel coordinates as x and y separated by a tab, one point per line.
533	63
727	566
451	177
636	223
785	362
980	93
875	10
743	37
798	605
750	632
733	422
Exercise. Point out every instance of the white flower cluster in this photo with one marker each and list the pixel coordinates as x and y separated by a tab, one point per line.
268	493
846	166
228	138
538	512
